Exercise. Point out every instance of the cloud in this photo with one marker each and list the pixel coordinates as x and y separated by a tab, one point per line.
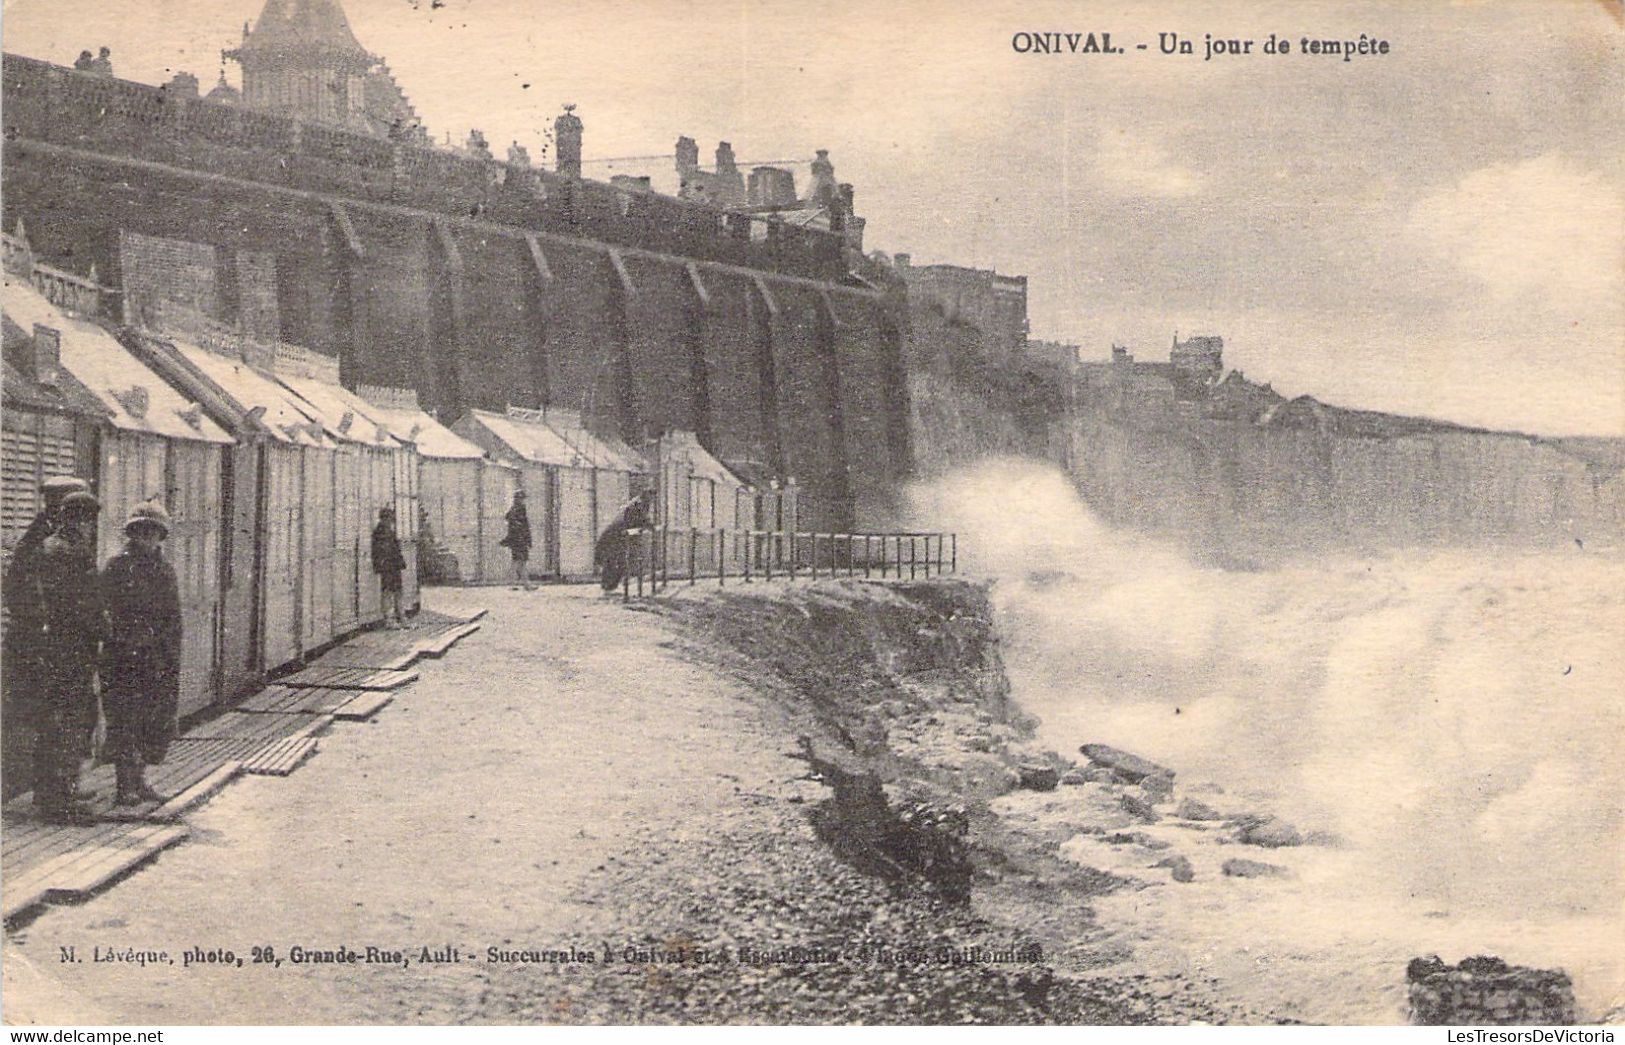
1546	232
1127	164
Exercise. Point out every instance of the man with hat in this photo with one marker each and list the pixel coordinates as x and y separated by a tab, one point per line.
23	594
70	625
141	653
517	540
388	563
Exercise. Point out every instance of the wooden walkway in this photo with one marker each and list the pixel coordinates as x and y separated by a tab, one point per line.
272	732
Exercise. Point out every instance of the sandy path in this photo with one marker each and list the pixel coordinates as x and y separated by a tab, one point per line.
465	815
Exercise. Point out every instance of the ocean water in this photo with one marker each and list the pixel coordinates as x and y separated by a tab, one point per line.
1453	721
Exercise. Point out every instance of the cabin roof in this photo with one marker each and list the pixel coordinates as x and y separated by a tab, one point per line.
132	396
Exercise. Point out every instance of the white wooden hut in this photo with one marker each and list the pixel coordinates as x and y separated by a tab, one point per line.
154	444
694	490
609	474
464	496
284	471
548	471
373	469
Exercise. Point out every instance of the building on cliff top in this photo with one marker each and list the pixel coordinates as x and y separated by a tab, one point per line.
993	302
301	58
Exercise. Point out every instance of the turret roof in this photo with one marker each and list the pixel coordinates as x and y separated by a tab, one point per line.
290	24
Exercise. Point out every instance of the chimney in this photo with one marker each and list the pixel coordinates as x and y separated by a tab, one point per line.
902	260
725	159
688	155
772	187
47	356
567	142
823	189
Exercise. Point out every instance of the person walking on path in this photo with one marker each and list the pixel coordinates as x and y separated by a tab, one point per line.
70	626
141	655
388	563
612	553
517	540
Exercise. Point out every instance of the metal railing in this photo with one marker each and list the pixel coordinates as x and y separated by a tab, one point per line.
658	556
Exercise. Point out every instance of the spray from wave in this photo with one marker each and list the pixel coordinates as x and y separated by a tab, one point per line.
1453	717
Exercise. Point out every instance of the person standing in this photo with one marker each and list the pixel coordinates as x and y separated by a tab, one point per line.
388	563
612	553
70	626
141	655
517	540
23	593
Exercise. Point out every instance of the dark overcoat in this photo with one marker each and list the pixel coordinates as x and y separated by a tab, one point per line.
70	626
517	540
387	560
612	550
141	655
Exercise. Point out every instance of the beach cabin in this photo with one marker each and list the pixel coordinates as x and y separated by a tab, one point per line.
153	444
373	469
550	471
282	450
49	425
694	490
609	475
463	495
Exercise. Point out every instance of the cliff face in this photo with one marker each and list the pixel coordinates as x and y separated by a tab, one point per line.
962	406
1247	477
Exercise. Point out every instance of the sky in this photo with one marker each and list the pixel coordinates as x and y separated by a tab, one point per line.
1438	230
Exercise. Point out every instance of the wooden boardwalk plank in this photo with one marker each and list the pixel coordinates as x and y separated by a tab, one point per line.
282	757
267	725
437	645
78	872
350	678
363	706
198	792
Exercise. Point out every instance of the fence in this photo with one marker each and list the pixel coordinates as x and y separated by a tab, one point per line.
658	556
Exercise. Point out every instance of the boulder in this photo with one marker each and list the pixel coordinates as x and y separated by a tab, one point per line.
1099	775
1158	788
1179	868
1138	808
1192	809
1254	869
1038	777
1074	777
1271	832
1131	768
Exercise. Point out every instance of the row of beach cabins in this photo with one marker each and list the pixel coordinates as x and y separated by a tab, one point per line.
274	474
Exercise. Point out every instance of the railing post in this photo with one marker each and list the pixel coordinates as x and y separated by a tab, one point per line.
722	558
665	558
626	570
953	548
793	555
868	553
768	564
750	553
693	553
911	557
642	565
939	555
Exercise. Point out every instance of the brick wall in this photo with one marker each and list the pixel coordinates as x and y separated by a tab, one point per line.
375	289
158	268
257	294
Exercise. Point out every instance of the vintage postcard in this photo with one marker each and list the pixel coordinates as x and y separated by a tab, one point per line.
657	512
